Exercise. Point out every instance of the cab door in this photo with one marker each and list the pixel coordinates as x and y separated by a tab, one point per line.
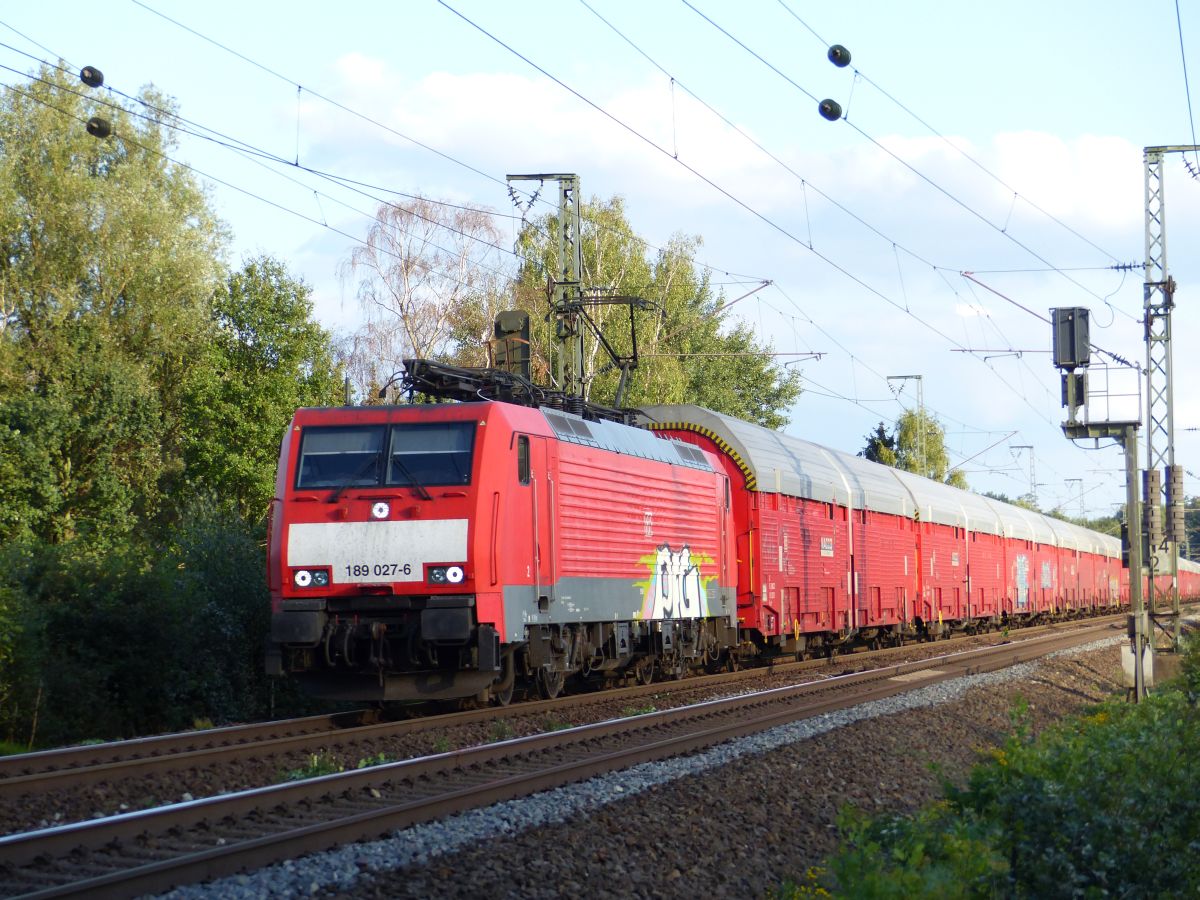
537	483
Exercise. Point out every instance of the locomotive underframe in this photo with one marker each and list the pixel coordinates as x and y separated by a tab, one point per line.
395	649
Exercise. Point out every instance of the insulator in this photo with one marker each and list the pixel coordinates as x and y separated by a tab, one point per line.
98	127
1176	523
1152	488
91	76
1174	484
830	109
839	56
1152	523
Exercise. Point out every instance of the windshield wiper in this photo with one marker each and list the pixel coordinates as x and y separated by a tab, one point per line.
354	476
412	481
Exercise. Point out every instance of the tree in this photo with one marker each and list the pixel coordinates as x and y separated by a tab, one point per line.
881	446
109	258
917	444
424	266
267	358
143	392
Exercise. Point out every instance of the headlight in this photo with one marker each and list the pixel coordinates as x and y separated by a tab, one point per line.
445	574
380	510
303	578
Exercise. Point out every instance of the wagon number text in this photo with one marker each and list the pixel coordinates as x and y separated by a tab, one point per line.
362	570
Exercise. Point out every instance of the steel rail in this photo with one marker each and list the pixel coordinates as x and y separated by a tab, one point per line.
73	767
23	764
366	803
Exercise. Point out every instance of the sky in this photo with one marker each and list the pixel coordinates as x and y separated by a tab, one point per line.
1000	140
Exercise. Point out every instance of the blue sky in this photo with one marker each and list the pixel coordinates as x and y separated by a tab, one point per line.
1052	104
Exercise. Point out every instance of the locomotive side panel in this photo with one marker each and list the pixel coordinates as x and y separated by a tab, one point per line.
637	539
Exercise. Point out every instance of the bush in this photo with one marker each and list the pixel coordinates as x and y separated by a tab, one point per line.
137	640
1102	805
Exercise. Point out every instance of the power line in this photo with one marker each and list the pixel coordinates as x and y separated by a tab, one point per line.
1187	89
248	193
376	123
957	149
921	175
723	191
805	183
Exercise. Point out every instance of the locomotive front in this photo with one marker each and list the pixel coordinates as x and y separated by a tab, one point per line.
370	565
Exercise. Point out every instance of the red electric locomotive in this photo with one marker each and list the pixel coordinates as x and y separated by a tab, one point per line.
449	550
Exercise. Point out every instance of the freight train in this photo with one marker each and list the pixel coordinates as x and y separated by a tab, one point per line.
432	551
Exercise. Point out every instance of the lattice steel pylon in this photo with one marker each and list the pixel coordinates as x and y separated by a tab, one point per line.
1159	299
566	284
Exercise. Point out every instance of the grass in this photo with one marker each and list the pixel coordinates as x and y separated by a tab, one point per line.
501	730
645	709
325	763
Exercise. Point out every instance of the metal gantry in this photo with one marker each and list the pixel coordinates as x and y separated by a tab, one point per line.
566	287
1159	300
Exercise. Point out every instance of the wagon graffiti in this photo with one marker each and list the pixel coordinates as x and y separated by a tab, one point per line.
675	588
1022	581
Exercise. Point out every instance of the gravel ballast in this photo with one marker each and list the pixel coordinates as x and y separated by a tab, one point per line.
733	821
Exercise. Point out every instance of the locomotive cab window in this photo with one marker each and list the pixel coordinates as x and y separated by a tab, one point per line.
340	457
435	453
522	459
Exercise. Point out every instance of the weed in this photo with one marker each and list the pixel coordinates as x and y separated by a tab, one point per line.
501	730
322	763
378	759
630	711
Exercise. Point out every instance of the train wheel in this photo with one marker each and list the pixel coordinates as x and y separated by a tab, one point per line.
502	696
643	670
550	684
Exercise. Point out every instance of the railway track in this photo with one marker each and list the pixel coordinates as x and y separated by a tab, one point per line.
87	766
156	849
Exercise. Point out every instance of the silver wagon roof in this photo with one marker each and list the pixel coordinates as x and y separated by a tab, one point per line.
773	462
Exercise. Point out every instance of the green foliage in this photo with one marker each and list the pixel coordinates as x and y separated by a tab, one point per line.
917	444
321	763
500	730
644	709
941	852
810	886
881	446
111	257
143	392
1070	814
138	640
267	358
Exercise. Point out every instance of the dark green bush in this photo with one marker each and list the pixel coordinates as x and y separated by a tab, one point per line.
1103	805
120	643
